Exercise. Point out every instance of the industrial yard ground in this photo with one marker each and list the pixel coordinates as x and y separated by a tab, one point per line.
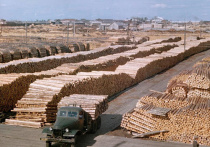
108	135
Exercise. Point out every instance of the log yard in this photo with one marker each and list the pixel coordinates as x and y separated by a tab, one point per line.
139	82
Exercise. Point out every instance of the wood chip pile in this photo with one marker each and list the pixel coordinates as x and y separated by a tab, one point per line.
94	105
188	105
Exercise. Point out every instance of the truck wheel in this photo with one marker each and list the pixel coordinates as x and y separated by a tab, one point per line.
99	122
94	126
48	144
75	141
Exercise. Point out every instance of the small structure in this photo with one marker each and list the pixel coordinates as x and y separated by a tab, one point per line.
117	26
104	26
3	21
95	24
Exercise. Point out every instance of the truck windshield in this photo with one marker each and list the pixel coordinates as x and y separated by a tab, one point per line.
62	113
72	114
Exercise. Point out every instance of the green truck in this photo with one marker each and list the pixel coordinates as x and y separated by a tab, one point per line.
70	122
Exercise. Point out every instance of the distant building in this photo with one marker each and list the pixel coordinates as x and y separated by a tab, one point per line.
106	21
104	26
95	24
66	21
144	26
157	26
3	21
118	26
80	23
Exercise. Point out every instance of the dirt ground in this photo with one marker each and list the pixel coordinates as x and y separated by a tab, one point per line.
96	38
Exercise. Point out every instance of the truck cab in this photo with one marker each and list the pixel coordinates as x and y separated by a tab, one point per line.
70	122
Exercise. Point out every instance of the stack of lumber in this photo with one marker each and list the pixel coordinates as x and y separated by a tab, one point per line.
15	54
192	83
198	93
138	121
37	50
6	56
163	100
184	119
94	105
178	88
42	64
45	94
62	48
40	101
185	107
12	88
25	53
109	62
1	57
33	52
174	39
142	68
42	52
47	63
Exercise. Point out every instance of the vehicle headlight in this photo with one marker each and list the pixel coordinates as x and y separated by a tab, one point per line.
50	128
67	130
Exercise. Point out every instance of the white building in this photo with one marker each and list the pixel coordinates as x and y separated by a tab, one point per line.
157	26
145	26
104	26
3	21
118	26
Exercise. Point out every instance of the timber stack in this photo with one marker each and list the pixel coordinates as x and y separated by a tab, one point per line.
183	110
46	63
20	84
95	82
94	105
16	52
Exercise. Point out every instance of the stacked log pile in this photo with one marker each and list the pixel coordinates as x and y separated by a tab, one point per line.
195	82
5	55
187	103
45	94
13	87
16	52
109	63
39	104
138	121
94	105
42	64
47	63
142	68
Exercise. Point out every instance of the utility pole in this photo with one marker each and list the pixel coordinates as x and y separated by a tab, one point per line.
1	30
26	31
68	34
185	36
200	30
128	29
74	30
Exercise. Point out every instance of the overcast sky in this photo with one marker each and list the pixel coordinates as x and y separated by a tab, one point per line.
113	9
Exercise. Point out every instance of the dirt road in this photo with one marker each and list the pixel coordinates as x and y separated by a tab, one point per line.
11	136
